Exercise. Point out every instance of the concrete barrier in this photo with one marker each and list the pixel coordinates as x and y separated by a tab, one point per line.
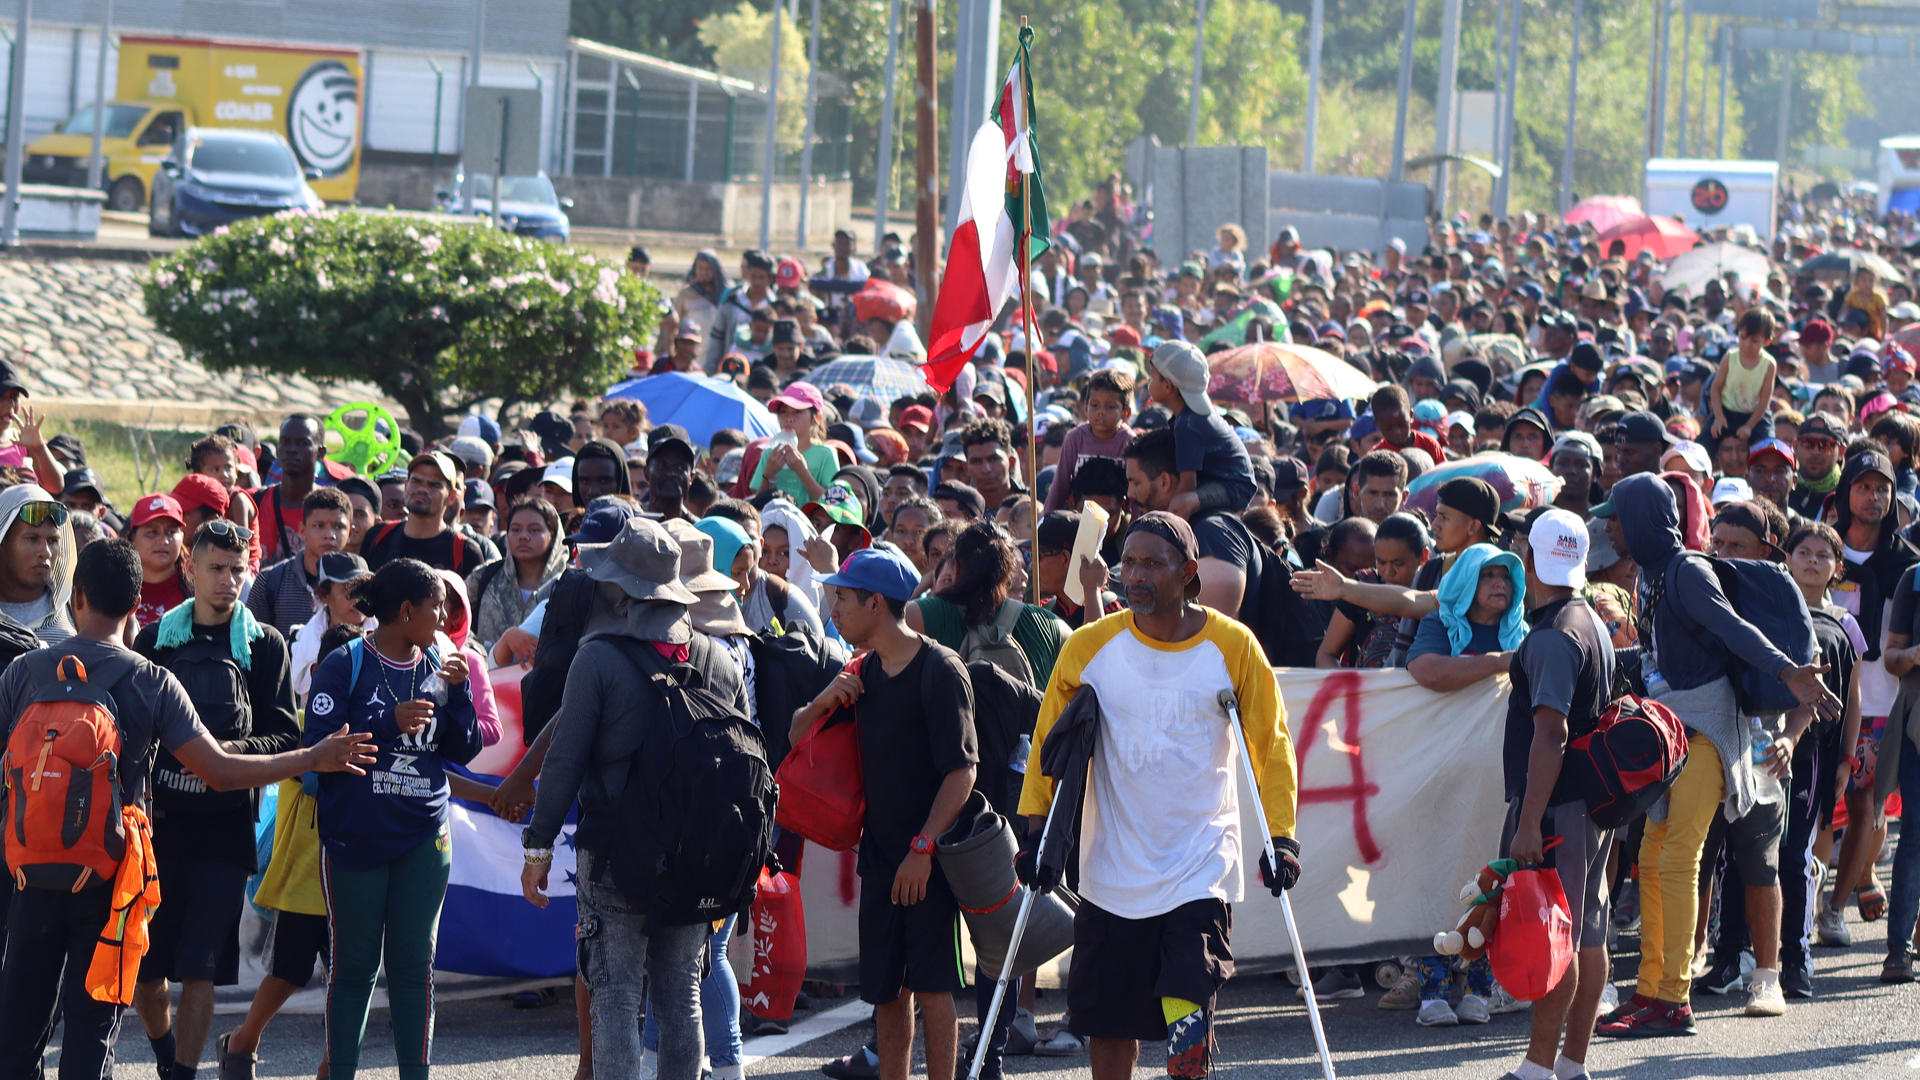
50	212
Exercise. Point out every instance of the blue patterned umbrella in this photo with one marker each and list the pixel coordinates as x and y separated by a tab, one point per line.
698	403
878	377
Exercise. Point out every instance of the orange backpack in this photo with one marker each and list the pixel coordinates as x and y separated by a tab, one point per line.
61	775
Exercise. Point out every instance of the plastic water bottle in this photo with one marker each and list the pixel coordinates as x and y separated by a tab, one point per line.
1761	738
1656	682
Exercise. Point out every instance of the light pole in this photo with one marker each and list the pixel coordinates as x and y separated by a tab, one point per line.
96	160
16	123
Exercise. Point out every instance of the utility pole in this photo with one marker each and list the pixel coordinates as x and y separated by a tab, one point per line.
1316	29
1504	188
473	81
16	124
806	141
1726	72
1573	109
883	171
96	160
1443	101
1685	143
1657	113
1199	59
1409	25
773	126
926	152
1786	109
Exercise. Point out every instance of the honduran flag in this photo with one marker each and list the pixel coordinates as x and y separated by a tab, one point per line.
983	271
487	927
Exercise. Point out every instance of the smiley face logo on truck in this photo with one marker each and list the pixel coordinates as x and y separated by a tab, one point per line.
323	117
1709	196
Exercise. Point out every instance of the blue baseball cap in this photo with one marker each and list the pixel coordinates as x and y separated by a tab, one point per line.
877	570
1321	409
604	520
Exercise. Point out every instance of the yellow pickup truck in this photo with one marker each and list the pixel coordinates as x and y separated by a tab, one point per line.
309	96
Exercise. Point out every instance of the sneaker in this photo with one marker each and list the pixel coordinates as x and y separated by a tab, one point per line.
1609	998
1335	984
1654	1019
1763	994
1830	927
1062	1043
1626	907
754	1027
1724	977
1405	994
1898	970
1502	1003
1022	1036
234	1065
1435	1012
1633	1004
862	1064
1472	1009
1796	980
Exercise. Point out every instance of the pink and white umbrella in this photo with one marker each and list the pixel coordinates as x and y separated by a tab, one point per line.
1603	212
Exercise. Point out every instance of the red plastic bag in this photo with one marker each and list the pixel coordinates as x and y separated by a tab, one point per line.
1533	941
822	795
779	948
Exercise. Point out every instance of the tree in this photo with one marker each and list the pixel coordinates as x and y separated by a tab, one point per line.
441	316
741	41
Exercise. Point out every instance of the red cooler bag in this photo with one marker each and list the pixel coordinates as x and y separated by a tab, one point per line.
822	796
1533	942
779	948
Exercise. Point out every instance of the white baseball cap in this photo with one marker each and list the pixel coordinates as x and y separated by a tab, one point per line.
1558	546
1731	489
1692	453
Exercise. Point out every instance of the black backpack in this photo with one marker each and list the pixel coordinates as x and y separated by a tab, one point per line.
695	821
1288	626
1005	710
789	670
1765	595
217	687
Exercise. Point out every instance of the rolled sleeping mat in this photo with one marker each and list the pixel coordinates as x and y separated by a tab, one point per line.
976	855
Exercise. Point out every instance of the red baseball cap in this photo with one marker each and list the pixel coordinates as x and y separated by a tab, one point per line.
196	491
916	416
788	274
1124	337
1774	446
154	507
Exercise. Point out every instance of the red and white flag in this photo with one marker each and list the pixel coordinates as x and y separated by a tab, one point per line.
983	271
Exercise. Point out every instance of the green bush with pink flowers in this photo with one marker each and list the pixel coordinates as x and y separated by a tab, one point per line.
440	315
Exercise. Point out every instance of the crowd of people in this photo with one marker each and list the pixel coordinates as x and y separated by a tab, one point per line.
1086	528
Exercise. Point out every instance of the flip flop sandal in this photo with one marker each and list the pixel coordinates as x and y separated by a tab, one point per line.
1872	903
234	1065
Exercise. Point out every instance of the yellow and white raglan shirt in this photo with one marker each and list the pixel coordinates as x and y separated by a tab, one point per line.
1161	824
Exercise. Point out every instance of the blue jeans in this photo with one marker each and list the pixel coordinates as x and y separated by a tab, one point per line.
1906	858
622	963
719	1005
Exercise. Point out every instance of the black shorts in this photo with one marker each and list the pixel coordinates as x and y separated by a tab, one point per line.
1123	967
195	933
916	948
1752	844
298	942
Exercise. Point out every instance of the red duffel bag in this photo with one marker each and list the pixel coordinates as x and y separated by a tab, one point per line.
822	796
1533	941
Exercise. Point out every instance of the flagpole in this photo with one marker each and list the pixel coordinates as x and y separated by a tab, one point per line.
1026	314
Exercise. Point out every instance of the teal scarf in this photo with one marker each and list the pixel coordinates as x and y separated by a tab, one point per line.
1462	581
176	629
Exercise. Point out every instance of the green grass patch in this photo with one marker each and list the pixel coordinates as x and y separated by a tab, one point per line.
132	461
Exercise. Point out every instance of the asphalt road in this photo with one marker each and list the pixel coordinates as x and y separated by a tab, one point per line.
1856	1028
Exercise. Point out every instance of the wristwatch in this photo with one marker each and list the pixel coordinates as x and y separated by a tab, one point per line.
921	845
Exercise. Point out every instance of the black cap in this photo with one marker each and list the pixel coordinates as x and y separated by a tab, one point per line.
1823	424
1868	461
10	379
1289	475
1643	426
1473	497
478	495
82	479
1174	530
670	435
969	499
1586	357
786	332
363	487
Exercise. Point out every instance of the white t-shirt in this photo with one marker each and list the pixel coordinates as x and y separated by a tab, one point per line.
1878	688
1161	823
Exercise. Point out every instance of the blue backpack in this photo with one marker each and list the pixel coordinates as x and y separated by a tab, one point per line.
1766	596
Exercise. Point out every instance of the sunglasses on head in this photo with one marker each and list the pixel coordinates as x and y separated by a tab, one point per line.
223	529
40	513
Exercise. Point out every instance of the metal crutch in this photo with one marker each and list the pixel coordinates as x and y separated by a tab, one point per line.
1232	705
1013	950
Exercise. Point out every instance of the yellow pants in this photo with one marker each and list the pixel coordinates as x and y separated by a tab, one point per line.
1670	874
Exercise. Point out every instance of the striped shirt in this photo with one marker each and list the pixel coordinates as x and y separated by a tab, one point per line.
282	596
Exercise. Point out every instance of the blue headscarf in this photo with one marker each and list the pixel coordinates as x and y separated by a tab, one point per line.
1462	581
728	539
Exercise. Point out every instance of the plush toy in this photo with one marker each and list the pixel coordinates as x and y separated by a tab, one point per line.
1470	936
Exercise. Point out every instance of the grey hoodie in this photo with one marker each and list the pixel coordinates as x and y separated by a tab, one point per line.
50	622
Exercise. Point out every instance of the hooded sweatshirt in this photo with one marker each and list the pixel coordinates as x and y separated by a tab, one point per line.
1462	583
1868	590
612	451
46	617
800	573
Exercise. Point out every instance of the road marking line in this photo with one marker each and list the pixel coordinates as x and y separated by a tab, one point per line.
813	1027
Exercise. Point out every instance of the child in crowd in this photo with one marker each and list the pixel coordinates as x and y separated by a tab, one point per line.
1108	407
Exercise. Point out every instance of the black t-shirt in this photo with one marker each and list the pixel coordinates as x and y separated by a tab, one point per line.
436	551
1208	448
915	728
1566	664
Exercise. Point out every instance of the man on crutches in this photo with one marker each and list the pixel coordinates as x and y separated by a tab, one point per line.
1160	844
